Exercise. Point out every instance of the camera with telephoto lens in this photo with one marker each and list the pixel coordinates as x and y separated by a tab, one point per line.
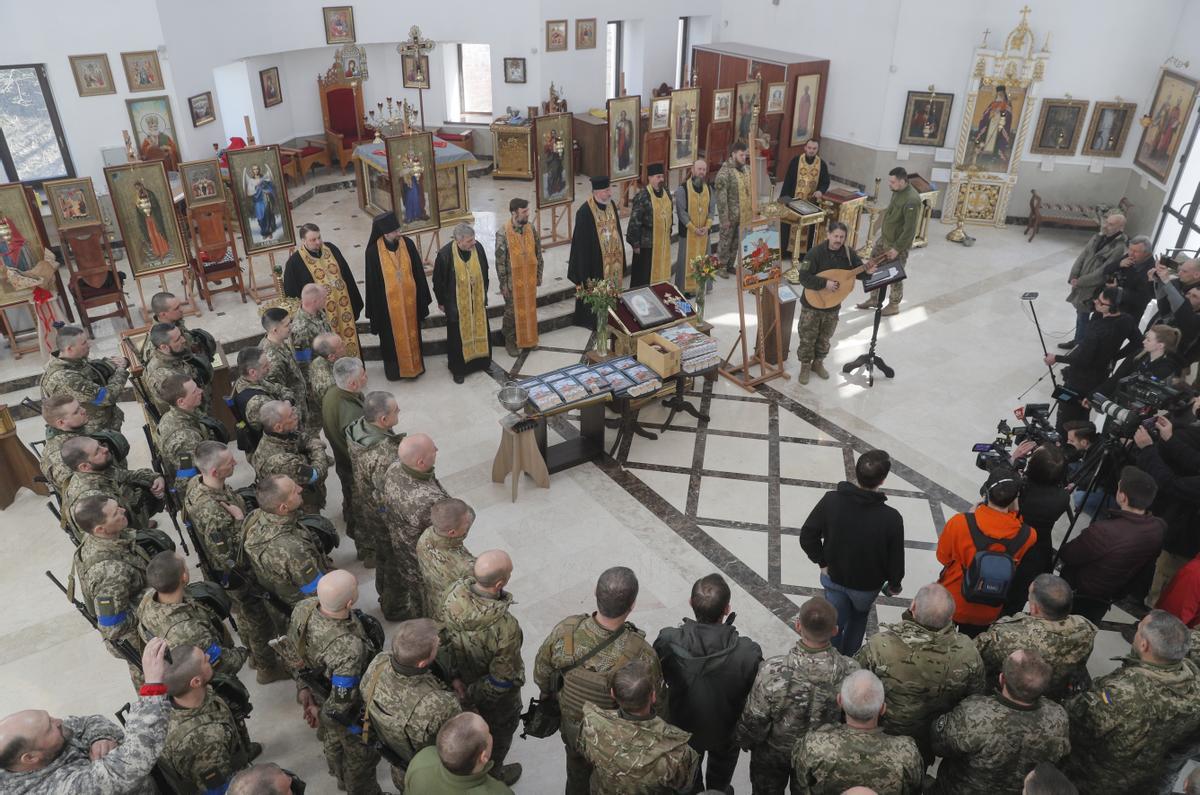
1138	397
1037	428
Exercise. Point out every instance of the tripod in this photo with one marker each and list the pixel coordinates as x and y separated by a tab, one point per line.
870	359
1095	464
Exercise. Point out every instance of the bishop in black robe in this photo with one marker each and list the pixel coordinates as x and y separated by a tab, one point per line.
445	289
586	260
403	360
296	275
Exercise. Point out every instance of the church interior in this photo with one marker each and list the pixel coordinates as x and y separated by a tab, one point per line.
155	146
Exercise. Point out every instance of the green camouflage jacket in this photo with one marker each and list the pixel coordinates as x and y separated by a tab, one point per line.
372	450
164	365
835	757
273	391
84	381
112	575
407	497
634	755
293	455
129	487
442	561
725	192
219	532
320	381
285	371
179	433
504	264
1065	645
190	623
305	328
283	555
483	642
640	229
204	746
338	648
405	706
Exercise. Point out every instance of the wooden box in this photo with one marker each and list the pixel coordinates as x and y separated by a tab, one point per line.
665	364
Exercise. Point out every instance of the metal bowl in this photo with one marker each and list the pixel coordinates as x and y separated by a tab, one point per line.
513	397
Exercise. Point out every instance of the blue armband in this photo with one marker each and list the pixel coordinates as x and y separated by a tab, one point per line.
311	587
220	789
345	682
183	474
112	620
100	396
354	728
315	476
304	356
214	654
502	684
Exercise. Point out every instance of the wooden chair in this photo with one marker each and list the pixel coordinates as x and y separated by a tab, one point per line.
342	112
312	154
95	280
215	256
1076	216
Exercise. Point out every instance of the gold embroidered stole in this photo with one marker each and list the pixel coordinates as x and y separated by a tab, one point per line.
612	248
472	305
522	267
698	206
660	247
745	206
325	271
401	292
807	178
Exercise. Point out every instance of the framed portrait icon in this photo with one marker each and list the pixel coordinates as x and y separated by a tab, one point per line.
339	24
660	113
260	199
685	113
416	70
73	203
142	71
202	183
272	92
413	176
775	94
1170	114
743	111
1058	127
201	109
624	142
23	247
585	34
514	70
804	108
144	205
554	170
556	35
1109	129
93	77
926	117
153	128
722	104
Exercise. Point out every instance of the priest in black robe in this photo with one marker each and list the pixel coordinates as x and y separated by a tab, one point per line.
597	246
323	263
398	297
460	282
810	186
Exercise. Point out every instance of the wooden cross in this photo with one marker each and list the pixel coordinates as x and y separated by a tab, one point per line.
986	31
416	46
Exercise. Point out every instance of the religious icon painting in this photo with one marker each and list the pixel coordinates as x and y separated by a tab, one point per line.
685	110
759	247
646	307
145	209
73	202
1058	127
416	70
722	104
555	172
272	92
339	24
514	70
154	128
260	199
804	108
21	249
413	174
585	34
926	117
202	110
743	113
93	76
660	113
202	182
1109	129
1169	114
775	94
993	127
354	62
556	35
142	71
624	143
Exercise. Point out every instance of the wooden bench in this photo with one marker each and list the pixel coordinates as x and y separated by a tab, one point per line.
1076	216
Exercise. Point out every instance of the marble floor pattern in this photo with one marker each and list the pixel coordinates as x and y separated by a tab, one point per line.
729	494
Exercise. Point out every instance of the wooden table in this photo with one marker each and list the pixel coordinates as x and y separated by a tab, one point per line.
588	446
519	454
18	466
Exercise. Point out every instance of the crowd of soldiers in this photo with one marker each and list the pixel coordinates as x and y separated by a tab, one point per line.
1010	711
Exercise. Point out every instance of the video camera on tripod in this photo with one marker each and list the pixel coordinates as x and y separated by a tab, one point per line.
1036	427
1137	399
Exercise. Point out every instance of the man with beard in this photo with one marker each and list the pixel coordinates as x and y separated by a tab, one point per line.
397	297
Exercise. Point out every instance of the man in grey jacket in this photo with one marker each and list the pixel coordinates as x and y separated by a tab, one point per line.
1106	248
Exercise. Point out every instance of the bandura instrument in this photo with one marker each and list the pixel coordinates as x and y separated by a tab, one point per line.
845	277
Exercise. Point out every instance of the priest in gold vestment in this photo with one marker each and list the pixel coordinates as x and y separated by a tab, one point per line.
597	249
323	263
695	210
519	269
807	177
649	230
397	297
460	283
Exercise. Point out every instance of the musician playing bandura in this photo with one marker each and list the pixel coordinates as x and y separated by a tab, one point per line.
815	327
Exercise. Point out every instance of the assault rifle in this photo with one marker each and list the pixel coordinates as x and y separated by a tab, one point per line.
123	647
169	496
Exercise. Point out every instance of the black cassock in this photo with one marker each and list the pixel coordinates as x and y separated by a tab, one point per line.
787	191
376	289
586	262
296	275
445	289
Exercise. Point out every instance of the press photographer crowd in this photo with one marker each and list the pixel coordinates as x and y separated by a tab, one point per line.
1091	502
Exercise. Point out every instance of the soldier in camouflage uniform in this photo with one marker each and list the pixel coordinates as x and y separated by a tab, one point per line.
309	321
372	447
408	490
1063	640
442	557
631	749
731	191
576	660
483	652
138	491
283	450
284	370
814	329
183	428
518	226
405	703
97	385
1124	727
206	744
792	694
65	419
990	743
328	635
166	308
926	666
216	512
74	755
832	758
110	568
252	389
341	406
283	555
173	357
327	349
165	611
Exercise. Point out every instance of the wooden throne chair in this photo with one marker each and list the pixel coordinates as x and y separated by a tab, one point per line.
95	281
342	112
215	257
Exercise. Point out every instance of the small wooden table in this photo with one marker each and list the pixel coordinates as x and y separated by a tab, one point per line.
519	453
588	446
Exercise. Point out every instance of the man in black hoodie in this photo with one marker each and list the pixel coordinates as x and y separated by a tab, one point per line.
708	671
859	544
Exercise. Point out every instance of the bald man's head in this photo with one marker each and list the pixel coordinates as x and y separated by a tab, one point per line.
417	451
337	591
464	744
30	740
312	298
493	569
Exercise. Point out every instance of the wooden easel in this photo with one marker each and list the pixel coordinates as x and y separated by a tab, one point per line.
555	237
429	243
189	305
625	202
741	373
258	291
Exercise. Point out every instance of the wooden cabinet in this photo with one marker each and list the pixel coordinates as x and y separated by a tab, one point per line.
591	133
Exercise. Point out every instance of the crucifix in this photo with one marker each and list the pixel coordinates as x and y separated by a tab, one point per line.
416	46
986	31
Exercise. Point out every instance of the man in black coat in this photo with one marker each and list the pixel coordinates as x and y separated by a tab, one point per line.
709	671
1132	274
858	542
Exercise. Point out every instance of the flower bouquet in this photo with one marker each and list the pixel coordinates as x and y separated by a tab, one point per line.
600	295
704	269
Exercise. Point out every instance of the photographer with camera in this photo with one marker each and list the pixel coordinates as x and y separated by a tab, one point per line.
1082	437
1179	304
1167	280
1042	502
1132	274
1174	463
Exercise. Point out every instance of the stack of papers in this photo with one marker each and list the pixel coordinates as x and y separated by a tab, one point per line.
697	351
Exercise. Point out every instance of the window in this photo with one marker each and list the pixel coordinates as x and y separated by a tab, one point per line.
612	59
475	79
32	145
683	60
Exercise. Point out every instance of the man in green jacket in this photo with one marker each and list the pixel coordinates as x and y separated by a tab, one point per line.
896	234
340	407
460	761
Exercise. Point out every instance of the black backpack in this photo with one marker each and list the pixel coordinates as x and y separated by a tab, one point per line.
987	580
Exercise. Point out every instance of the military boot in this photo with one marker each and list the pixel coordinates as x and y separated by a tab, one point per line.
507	774
265	675
818	367
510	347
805	369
